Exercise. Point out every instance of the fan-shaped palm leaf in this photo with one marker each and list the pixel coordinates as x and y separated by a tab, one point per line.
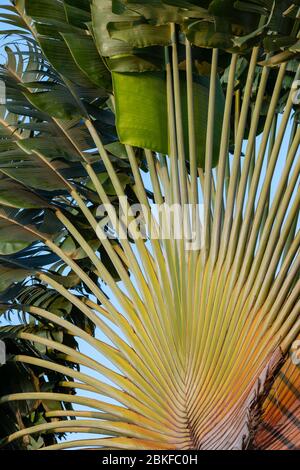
197	335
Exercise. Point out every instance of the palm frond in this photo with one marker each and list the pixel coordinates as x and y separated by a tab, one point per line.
196	332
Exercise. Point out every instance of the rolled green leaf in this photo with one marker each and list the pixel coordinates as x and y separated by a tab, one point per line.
142	118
